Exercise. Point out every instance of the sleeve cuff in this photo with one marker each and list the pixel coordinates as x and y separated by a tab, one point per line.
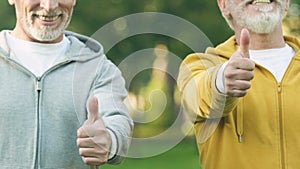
114	145
220	79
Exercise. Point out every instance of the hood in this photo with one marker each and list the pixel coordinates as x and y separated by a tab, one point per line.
225	49
82	48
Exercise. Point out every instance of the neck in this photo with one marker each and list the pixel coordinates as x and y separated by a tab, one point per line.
264	41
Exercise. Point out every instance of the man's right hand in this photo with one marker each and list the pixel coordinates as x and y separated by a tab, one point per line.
240	69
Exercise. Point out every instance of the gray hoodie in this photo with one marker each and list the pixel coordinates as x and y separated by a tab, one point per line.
39	116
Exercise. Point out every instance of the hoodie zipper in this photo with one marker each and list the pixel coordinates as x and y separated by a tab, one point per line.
282	149
38	88
281	125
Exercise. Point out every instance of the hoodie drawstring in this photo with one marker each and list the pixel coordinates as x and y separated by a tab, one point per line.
240	122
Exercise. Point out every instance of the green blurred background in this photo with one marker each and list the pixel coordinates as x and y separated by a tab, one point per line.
90	15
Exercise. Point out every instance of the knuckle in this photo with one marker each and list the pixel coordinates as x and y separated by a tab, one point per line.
229	84
237	93
235	55
251	75
240	94
79	142
101	131
86	160
250	64
229	92
81	152
233	62
79	132
229	74
94	161
247	85
103	160
243	92
247	75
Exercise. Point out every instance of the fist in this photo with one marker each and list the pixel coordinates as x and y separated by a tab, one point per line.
93	139
240	69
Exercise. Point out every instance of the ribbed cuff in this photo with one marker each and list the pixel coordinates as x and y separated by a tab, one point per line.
220	79
114	145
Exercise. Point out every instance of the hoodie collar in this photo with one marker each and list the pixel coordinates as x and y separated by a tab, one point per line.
82	48
227	48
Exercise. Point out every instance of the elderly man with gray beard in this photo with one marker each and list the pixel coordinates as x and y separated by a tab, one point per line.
61	98
244	92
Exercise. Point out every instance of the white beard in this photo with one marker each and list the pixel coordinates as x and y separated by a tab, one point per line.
45	33
262	23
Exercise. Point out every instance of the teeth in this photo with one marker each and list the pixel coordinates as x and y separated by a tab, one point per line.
257	2
48	18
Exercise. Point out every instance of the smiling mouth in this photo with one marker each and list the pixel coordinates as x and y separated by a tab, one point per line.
261	2
47	18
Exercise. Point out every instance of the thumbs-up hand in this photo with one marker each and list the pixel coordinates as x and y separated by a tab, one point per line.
93	139
240	69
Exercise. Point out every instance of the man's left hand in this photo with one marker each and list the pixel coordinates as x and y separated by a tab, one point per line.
93	139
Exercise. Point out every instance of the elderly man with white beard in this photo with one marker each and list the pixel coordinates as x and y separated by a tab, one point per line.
244	92
61	98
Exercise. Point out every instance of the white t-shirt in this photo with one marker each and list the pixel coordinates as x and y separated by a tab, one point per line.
36	57
275	60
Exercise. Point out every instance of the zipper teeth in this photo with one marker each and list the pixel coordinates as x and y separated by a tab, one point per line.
281	128
38	90
281	133
279	90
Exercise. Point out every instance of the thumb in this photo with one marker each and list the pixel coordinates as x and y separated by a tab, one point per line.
244	43
92	108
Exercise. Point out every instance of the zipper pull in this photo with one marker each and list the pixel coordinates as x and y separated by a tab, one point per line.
279	87
38	84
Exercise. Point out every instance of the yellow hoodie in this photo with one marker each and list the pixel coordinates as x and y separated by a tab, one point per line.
258	131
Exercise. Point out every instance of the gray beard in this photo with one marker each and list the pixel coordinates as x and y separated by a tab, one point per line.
264	23
45	33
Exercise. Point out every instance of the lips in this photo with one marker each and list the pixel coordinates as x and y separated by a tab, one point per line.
47	18
261	2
